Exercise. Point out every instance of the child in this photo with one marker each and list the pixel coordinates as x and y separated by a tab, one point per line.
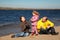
34	20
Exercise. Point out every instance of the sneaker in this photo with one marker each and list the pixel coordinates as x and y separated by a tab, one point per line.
55	33
36	34
13	36
32	34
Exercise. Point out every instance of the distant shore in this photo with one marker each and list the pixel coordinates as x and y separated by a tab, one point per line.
7	8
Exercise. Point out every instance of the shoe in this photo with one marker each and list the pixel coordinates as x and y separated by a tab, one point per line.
13	36
36	35
55	33
32	33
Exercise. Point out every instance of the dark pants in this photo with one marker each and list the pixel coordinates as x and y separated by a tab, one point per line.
47	31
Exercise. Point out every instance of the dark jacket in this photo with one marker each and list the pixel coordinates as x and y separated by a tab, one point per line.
25	26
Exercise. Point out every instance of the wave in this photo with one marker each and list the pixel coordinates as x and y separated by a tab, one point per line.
8	23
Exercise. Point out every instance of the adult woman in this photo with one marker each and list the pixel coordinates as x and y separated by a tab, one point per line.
25	26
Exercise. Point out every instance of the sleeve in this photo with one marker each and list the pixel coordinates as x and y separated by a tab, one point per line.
22	27
51	23
28	25
34	18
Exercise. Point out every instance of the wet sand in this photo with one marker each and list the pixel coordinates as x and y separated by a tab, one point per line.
8	30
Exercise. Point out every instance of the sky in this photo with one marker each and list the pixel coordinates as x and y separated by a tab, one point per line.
40	4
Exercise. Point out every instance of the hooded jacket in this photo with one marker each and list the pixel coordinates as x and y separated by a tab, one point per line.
44	25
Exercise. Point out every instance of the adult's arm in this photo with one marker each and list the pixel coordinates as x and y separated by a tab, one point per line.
51	24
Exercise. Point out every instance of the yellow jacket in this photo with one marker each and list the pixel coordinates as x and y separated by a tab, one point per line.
44	25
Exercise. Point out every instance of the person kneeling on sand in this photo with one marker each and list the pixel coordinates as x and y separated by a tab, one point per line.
25	26
45	26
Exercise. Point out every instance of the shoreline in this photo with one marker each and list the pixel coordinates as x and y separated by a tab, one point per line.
56	22
7	31
13	28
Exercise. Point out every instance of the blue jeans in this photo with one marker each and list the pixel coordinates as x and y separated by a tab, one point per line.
22	34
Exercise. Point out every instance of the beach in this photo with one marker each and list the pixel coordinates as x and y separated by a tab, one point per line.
9	24
8	30
16	12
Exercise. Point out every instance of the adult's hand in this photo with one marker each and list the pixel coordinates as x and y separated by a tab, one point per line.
48	27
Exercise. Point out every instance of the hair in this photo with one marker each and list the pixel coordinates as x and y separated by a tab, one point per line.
21	18
46	17
35	12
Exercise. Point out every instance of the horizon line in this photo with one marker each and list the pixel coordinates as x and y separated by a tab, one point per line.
28	8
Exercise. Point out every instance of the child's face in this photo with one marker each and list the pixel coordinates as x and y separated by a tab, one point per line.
33	13
23	19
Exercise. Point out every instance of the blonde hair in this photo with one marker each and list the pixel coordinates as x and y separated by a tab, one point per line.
35	12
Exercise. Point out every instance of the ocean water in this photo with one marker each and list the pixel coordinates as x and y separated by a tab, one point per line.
12	16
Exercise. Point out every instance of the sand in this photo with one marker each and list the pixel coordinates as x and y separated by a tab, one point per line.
7	31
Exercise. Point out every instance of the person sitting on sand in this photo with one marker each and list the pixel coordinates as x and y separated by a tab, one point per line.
45	26
25	26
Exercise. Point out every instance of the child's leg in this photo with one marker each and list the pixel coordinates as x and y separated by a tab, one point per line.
36	31
33	30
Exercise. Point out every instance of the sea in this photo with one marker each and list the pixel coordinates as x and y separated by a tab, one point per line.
13	16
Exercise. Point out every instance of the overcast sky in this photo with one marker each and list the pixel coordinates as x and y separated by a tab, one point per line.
53	4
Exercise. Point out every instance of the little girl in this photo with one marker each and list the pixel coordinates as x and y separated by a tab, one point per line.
34	20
